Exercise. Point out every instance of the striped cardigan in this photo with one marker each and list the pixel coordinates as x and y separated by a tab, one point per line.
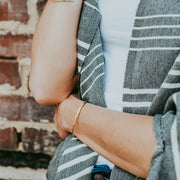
151	86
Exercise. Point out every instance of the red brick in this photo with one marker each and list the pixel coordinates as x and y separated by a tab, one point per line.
8	138
9	73
15	45
40	5
22	108
39	140
14	10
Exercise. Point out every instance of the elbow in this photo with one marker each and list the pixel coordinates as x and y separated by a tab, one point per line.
45	96
144	174
143	171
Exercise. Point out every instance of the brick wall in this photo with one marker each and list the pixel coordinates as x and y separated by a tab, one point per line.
27	135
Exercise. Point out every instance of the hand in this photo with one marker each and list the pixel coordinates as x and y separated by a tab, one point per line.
64	115
58	123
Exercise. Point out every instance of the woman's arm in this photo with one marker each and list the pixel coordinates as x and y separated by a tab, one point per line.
127	140
53	67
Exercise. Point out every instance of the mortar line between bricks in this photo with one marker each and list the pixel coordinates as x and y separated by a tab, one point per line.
21	173
20	125
17	27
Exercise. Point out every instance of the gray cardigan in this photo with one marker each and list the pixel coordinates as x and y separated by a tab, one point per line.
151	86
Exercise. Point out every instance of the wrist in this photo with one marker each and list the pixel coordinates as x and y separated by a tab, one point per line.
62	0
76	118
68	112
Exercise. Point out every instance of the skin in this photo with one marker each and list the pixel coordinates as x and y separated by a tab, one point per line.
127	140
54	51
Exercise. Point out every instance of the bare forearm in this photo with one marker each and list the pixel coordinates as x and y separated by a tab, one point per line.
127	140
54	51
